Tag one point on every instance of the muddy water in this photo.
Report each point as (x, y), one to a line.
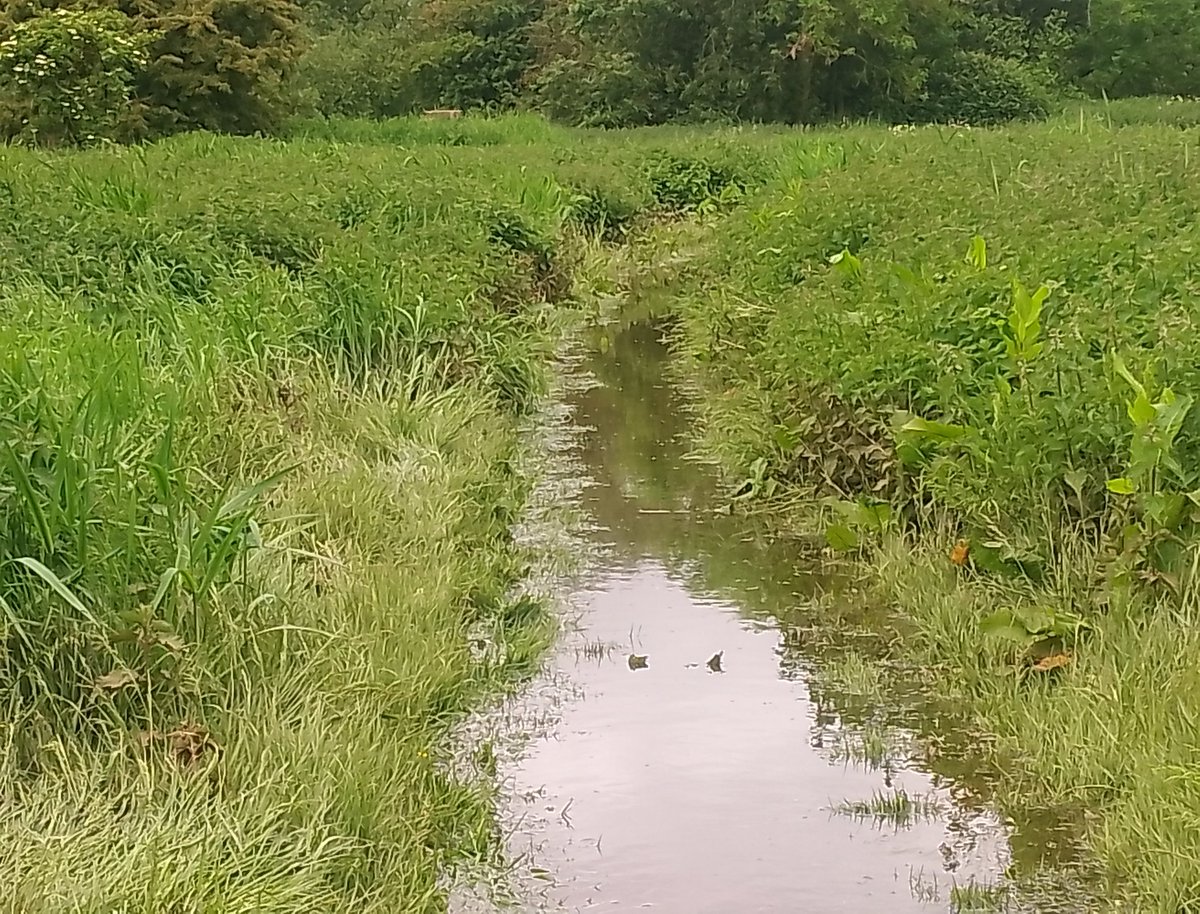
(682, 787)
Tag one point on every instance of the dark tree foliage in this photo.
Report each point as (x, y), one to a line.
(627, 62)
(243, 66)
(221, 65)
(621, 62)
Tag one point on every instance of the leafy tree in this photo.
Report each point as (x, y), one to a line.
(471, 53)
(781, 60)
(621, 62)
(1141, 47)
(66, 75)
(220, 65)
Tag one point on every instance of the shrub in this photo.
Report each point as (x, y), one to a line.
(972, 87)
(66, 75)
(608, 90)
(220, 65)
(600, 212)
(340, 74)
(680, 184)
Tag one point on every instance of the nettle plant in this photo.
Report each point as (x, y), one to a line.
(66, 75)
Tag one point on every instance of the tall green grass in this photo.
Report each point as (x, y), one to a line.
(1015, 466)
(256, 480)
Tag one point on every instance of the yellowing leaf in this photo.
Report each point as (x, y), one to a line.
(1052, 662)
(116, 680)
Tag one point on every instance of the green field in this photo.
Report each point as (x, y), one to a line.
(260, 441)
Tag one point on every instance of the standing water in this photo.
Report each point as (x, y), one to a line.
(699, 761)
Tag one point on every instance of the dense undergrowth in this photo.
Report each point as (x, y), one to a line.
(257, 477)
(968, 356)
(256, 482)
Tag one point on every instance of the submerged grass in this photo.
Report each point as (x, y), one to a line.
(895, 807)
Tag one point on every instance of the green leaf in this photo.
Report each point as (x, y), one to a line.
(1120, 486)
(1170, 413)
(57, 585)
(1077, 480)
(908, 277)
(1165, 509)
(925, 428)
(846, 264)
(977, 253)
(1141, 411)
(164, 583)
(1003, 624)
(252, 493)
(874, 517)
(30, 496)
(841, 538)
(1122, 370)
(1036, 620)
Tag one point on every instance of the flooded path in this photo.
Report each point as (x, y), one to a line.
(662, 783)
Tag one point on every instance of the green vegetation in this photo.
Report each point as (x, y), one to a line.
(976, 898)
(258, 465)
(642, 62)
(256, 482)
(81, 72)
(251, 66)
(966, 356)
(896, 807)
(257, 476)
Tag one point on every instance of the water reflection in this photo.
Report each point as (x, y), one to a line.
(680, 789)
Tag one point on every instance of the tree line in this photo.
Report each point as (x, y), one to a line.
(72, 72)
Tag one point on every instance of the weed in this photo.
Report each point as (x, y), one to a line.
(252, 518)
(895, 807)
(978, 898)
(1028, 478)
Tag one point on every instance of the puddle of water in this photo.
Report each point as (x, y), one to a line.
(670, 786)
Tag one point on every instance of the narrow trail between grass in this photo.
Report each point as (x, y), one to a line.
(766, 782)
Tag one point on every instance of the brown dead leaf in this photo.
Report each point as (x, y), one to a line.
(171, 642)
(960, 552)
(1052, 662)
(116, 680)
(191, 742)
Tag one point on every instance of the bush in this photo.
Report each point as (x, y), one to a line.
(972, 87)
(680, 184)
(340, 74)
(220, 65)
(66, 75)
(610, 90)
(600, 212)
